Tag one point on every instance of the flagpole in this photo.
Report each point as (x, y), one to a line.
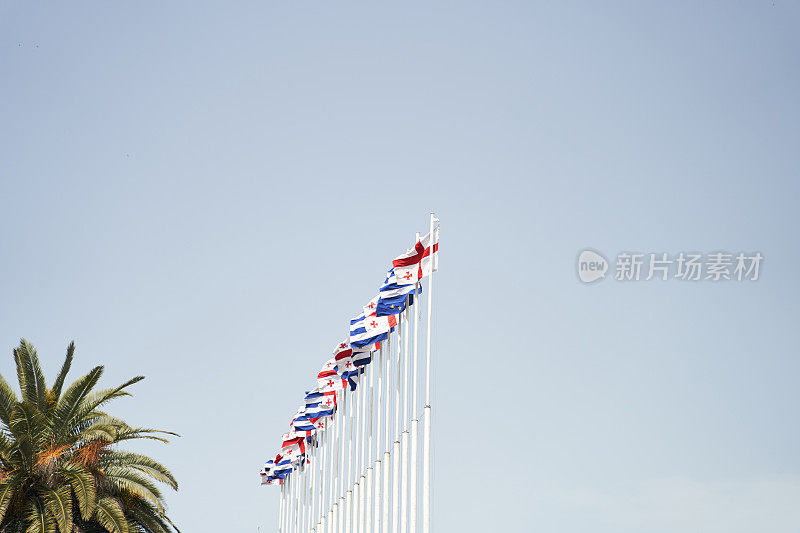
(396, 450)
(414, 421)
(363, 448)
(335, 464)
(404, 437)
(321, 477)
(312, 488)
(280, 510)
(370, 471)
(332, 470)
(426, 450)
(356, 444)
(378, 449)
(386, 442)
(305, 484)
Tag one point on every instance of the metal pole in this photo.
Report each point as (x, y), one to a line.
(396, 451)
(368, 485)
(426, 439)
(280, 510)
(378, 449)
(362, 500)
(404, 437)
(414, 421)
(357, 424)
(386, 441)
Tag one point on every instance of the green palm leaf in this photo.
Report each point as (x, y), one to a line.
(8, 399)
(109, 515)
(32, 383)
(58, 504)
(62, 375)
(83, 484)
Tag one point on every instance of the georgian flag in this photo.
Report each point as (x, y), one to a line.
(327, 379)
(317, 397)
(375, 325)
(371, 307)
(293, 451)
(418, 261)
(359, 337)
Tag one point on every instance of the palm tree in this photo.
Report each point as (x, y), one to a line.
(60, 468)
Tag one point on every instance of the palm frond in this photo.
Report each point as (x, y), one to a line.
(32, 382)
(70, 401)
(142, 463)
(62, 375)
(109, 515)
(8, 489)
(58, 504)
(83, 485)
(8, 399)
(132, 483)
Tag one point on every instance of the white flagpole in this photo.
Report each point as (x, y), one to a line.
(322, 477)
(426, 440)
(396, 450)
(312, 487)
(404, 441)
(335, 465)
(414, 421)
(349, 503)
(368, 481)
(331, 504)
(356, 443)
(378, 449)
(386, 441)
(280, 510)
(304, 485)
(293, 513)
(363, 448)
(342, 450)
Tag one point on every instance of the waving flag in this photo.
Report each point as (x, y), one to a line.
(320, 411)
(361, 357)
(359, 337)
(303, 426)
(327, 379)
(376, 325)
(418, 261)
(371, 307)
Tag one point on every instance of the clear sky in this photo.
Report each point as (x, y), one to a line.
(205, 193)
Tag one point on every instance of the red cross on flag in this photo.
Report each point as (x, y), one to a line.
(327, 379)
(375, 325)
(418, 261)
(371, 307)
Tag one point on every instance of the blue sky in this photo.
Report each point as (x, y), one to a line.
(205, 193)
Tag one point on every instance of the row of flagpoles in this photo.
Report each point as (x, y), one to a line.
(350, 462)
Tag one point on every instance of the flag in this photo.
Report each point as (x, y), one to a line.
(303, 426)
(327, 379)
(361, 358)
(376, 325)
(315, 413)
(393, 297)
(316, 397)
(369, 309)
(359, 337)
(417, 262)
